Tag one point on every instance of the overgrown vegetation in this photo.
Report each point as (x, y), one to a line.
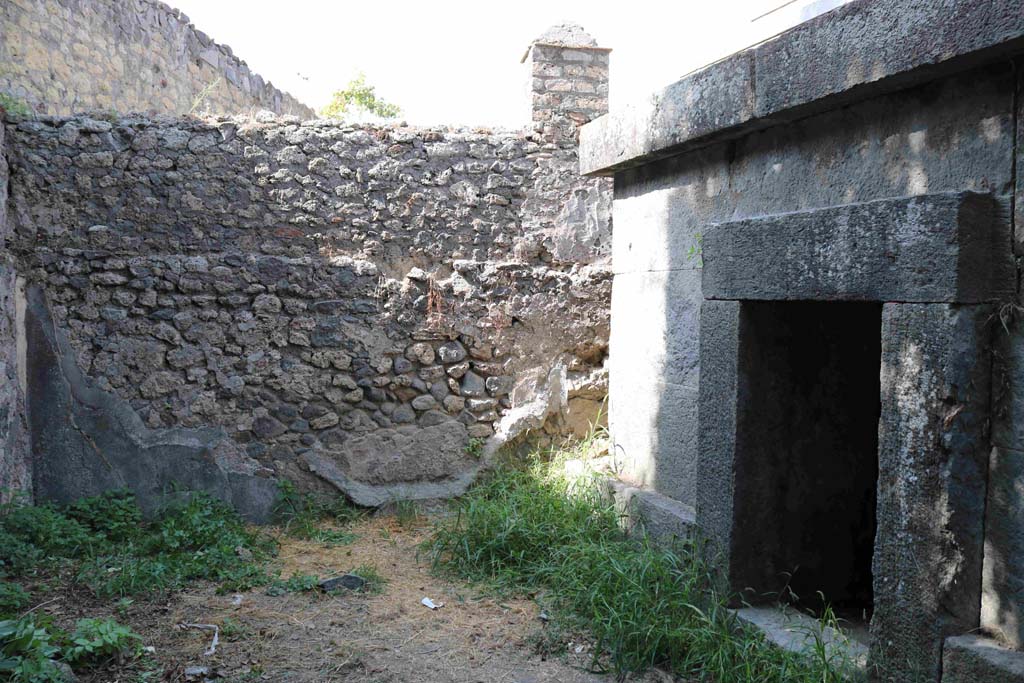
(204, 96)
(357, 101)
(36, 652)
(113, 551)
(105, 544)
(375, 581)
(532, 529)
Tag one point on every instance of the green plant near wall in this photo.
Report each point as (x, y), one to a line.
(14, 106)
(204, 96)
(696, 249)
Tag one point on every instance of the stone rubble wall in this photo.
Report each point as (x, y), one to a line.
(15, 467)
(356, 302)
(64, 56)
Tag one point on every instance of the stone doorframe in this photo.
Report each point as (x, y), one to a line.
(936, 264)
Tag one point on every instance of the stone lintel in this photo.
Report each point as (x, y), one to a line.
(932, 469)
(948, 248)
(861, 50)
(976, 659)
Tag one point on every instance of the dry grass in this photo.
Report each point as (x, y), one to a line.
(308, 637)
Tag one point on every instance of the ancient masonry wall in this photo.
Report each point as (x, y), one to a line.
(64, 56)
(369, 308)
(15, 468)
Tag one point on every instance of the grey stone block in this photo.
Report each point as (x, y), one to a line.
(716, 442)
(976, 659)
(649, 512)
(933, 454)
(331, 469)
(949, 247)
(796, 632)
(654, 426)
(660, 211)
(718, 97)
(657, 329)
(86, 441)
(1018, 189)
(1002, 600)
(872, 46)
(653, 374)
(862, 50)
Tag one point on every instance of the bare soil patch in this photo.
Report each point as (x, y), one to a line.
(307, 637)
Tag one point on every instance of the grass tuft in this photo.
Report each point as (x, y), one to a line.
(533, 530)
(304, 516)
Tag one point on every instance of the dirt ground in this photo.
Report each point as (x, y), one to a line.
(308, 637)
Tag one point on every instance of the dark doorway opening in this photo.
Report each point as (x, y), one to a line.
(806, 464)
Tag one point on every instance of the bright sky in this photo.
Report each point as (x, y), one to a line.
(457, 61)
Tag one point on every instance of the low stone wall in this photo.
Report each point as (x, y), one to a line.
(357, 303)
(63, 56)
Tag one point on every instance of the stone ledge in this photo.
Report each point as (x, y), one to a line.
(659, 516)
(796, 632)
(977, 659)
(861, 50)
(947, 248)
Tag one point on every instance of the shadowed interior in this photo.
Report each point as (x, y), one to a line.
(806, 467)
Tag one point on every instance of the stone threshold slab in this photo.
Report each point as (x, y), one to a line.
(797, 632)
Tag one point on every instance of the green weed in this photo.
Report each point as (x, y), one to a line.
(297, 583)
(96, 640)
(534, 530)
(375, 581)
(407, 513)
(117, 553)
(13, 598)
(475, 447)
(35, 652)
(14, 107)
(26, 653)
(304, 516)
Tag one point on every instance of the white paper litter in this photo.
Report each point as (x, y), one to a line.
(206, 627)
(430, 604)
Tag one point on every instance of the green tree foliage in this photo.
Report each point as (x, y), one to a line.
(359, 100)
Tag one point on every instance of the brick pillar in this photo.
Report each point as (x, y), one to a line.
(567, 75)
